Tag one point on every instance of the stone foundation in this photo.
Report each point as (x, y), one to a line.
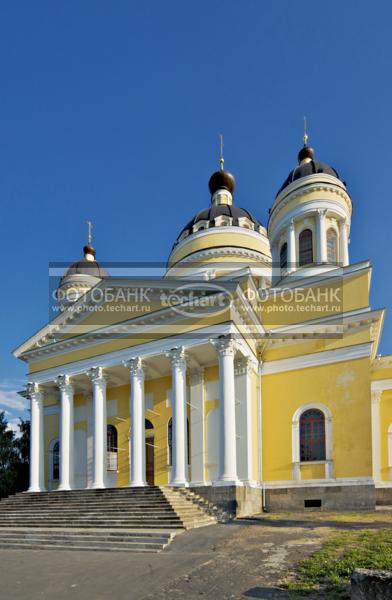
(241, 501)
(384, 496)
(328, 498)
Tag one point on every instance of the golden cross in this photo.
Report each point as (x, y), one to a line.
(89, 228)
(221, 159)
(305, 133)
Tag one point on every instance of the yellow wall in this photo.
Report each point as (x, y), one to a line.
(345, 389)
(385, 422)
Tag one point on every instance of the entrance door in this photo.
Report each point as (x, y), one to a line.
(150, 459)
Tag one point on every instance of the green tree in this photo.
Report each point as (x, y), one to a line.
(14, 457)
(9, 458)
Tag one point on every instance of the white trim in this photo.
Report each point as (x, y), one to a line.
(390, 452)
(381, 385)
(317, 359)
(304, 210)
(338, 481)
(295, 440)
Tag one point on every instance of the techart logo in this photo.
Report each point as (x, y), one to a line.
(194, 300)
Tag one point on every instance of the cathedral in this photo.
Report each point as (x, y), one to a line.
(249, 371)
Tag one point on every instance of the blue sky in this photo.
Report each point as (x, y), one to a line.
(110, 111)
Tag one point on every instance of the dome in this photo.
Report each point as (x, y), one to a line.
(221, 180)
(85, 267)
(210, 214)
(308, 166)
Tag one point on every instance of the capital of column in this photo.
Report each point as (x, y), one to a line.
(244, 365)
(291, 225)
(136, 367)
(322, 212)
(96, 375)
(177, 357)
(224, 344)
(33, 391)
(63, 382)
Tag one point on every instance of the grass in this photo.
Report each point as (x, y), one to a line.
(329, 569)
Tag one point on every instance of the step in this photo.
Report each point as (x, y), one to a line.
(93, 548)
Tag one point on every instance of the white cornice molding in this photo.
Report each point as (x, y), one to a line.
(308, 184)
(144, 351)
(305, 483)
(317, 359)
(379, 385)
(217, 252)
(276, 226)
(234, 229)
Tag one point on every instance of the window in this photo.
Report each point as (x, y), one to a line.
(56, 460)
(332, 246)
(312, 435)
(305, 247)
(283, 256)
(170, 440)
(112, 448)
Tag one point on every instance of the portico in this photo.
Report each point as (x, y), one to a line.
(176, 364)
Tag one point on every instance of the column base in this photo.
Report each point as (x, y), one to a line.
(36, 489)
(98, 486)
(63, 488)
(227, 482)
(179, 484)
(134, 484)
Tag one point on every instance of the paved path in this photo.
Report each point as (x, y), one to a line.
(242, 560)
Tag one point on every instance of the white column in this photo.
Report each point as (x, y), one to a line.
(179, 439)
(137, 462)
(66, 432)
(228, 454)
(99, 427)
(376, 434)
(291, 248)
(36, 438)
(321, 236)
(244, 420)
(343, 244)
(197, 458)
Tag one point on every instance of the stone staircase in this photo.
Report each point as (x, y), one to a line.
(130, 519)
(193, 510)
(111, 519)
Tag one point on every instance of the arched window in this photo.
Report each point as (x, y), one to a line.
(305, 247)
(332, 246)
(112, 448)
(312, 435)
(56, 461)
(170, 440)
(283, 256)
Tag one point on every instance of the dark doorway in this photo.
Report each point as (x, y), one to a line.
(149, 452)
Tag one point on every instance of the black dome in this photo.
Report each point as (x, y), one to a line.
(221, 180)
(309, 168)
(85, 267)
(209, 214)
